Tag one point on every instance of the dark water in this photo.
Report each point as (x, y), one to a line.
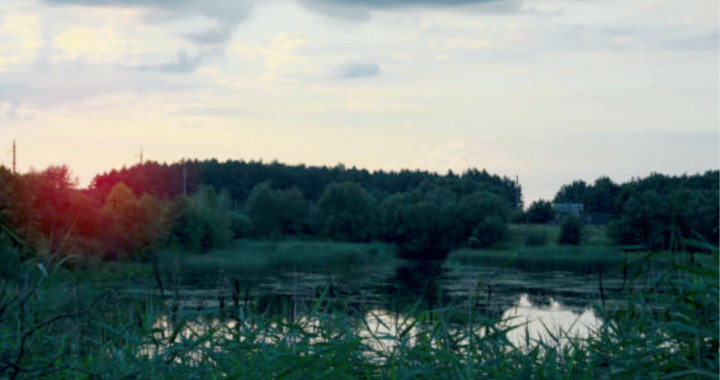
(386, 290)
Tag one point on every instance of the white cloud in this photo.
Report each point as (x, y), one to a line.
(102, 44)
(503, 91)
(20, 37)
(282, 49)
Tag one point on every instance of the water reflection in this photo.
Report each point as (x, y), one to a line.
(382, 331)
(386, 303)
(416, 281)
(393, 285)
(554, 325)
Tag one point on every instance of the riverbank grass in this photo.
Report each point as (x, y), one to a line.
(255, 255)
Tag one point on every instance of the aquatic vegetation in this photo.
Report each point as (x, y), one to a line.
(54, 328)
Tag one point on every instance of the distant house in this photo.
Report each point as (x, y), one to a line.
(564, 210)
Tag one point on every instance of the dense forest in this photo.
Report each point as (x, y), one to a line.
(198, 205)
(656, 212)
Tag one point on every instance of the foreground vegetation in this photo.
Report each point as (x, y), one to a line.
(54, 327)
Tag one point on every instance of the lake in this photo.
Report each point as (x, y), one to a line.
(387, 293)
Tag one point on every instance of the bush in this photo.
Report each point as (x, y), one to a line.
(492, 230)
(276, 212)
(203, 221)
(476, 207)
(517, 216)
(347, 211)
(241, 224)
(536, 238)
(9, 258)
(540, 212)
(424, 223)
(571, 231)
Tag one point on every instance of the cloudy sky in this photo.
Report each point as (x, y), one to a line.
(547, 90)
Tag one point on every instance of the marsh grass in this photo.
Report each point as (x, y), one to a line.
(593, 235)
(53, 327)
(551, 257)
(254, 255)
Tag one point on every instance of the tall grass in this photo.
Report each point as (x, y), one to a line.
(255, 255)
(56, 328)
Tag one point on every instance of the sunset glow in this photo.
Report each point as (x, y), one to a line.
(513, 87)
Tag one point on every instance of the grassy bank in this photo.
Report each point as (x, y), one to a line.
(252, 256)
(596, 253)
(594, 235)
(255, 255)
(240, 256)
(586, 259)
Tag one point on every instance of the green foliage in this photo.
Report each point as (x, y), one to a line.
(120, 200)
(658, 221)
(430, 221)
(7, 195)
(572, 193)
(600, 197)
(536, 238)
(347, 212)
(254, 256)
(655, 212)
(668, 331)
(43, 213)
(276, 212)
(540, 211)
(131, 213)
(424, 222)
(571, 231)
(133, 227)
(165, 181)
(644, 220)
(476, 207)
(241, 225)
(490, 231)
(205, 221)
(10, 255)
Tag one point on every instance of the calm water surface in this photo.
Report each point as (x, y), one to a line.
(545, 303)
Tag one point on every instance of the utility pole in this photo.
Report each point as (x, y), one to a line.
(141, 156)
(14, 156)
(517, 188)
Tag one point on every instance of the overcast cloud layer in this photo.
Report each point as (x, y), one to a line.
(548, 90)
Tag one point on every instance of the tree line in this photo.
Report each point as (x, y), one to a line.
(200, 205)
(658, 212)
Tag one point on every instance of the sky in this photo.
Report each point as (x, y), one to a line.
(546, 90)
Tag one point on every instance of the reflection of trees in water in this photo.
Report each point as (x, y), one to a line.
(397, 287)
(417, 281)
(427, 284)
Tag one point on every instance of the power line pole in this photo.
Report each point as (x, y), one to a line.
(141, 156)
(14, 155)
